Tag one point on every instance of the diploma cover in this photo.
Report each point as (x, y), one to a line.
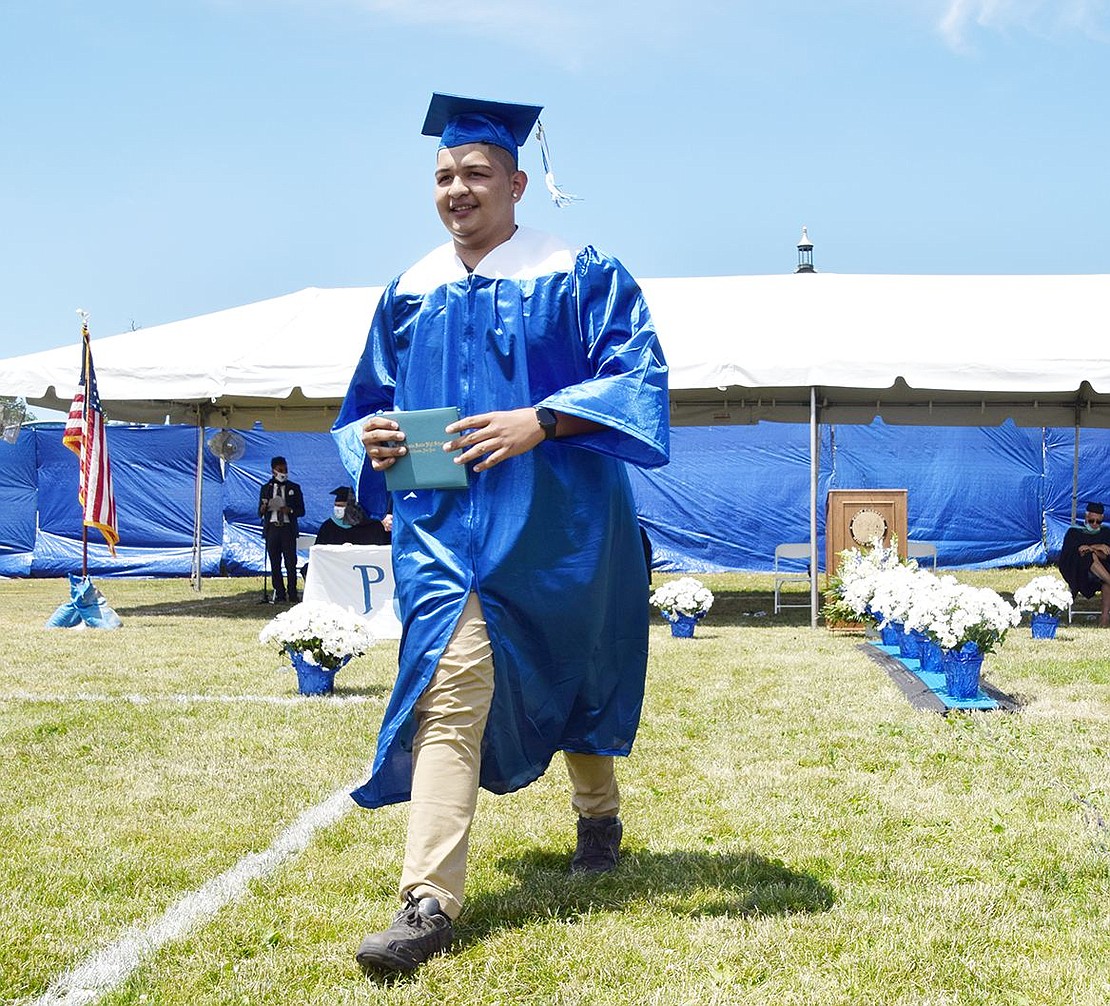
(426, 465)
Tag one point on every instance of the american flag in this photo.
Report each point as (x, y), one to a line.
(85, 436)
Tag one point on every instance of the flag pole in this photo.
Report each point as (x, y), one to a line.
(84, 316)
(86, 436)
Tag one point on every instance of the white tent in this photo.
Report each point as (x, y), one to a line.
(285, 362)
(933, 350)
(930, 350)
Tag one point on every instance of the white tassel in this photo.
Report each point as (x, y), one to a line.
(558, 196)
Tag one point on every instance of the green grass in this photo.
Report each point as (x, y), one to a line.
(795, 833)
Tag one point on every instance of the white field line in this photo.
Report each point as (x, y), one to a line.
(180, 699)
(110, 967)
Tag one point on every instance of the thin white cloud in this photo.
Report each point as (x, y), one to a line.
(960, 19)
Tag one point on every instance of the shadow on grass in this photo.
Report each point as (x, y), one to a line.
(366, 691)
(747, 609)
(244, 605)
(690, 884)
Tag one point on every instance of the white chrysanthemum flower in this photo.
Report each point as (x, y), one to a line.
(685, 596)
(325, 633)
(1044, 594)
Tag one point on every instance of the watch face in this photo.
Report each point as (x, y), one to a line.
(867, 526)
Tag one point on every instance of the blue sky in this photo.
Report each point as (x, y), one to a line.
(162, 160)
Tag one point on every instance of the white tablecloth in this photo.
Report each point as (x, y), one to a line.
(359, 577)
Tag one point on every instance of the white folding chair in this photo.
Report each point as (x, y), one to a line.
(922, 550)
(787, 570)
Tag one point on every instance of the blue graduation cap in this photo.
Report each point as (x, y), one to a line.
(458, 120)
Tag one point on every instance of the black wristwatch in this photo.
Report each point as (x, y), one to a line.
(547, 420)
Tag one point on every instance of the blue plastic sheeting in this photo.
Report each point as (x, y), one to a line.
(153, 472)
(313, 463)
(729, 495)
(18, 502)
(988, 496)
(1094, 478)
(978, 491)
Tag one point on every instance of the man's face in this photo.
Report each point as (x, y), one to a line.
(279, 470)
(1094, 520)
(476, 191)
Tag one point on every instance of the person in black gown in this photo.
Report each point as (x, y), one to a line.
(349, 524)
(1085, 559)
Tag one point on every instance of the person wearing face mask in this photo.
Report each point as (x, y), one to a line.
(280, 503)
(349, 524)
(1085, 559)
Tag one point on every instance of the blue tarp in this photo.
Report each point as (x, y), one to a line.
(987, 496)
(153, 474)
(18, 503)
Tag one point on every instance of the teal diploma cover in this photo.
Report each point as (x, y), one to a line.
(426, 465)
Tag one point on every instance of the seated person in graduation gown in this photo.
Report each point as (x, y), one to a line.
(349, 524)
(1085, 559)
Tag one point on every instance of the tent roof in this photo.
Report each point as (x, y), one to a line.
(932, 350)
(936, 350)
(285, 362)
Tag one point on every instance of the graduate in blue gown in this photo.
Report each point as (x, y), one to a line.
(549, 353)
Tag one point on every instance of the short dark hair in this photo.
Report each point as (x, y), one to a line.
(279, 460)
(507, 161)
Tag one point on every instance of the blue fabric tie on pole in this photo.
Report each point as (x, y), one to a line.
(86, 605)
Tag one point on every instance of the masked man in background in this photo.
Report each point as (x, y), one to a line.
(280, 503)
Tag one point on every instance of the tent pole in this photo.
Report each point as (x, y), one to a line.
(814, 464)
(198, 482)
(1075, 472)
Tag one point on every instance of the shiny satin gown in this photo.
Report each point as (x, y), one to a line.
(549, 539)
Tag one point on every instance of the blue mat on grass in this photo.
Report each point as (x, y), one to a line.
(933, 682)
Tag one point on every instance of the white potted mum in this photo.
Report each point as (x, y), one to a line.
(319, 638)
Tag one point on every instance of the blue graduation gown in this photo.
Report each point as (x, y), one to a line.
(549, 539)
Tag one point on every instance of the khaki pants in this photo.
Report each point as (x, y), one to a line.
(446, 756)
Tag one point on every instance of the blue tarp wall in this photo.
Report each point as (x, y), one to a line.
(991, 496)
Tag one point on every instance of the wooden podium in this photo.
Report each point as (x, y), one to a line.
(855, 517)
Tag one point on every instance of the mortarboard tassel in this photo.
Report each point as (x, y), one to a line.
(558, 196)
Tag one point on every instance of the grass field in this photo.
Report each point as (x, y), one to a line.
(795, 833)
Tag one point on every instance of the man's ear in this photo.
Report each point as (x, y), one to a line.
(519, 183)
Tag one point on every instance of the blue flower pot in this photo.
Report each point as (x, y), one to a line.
(682, 626)
(312, 679)
(1043, 625)
(961, 671)
(932, 657)
(889, 634)
(898, 630)
(909, 646)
